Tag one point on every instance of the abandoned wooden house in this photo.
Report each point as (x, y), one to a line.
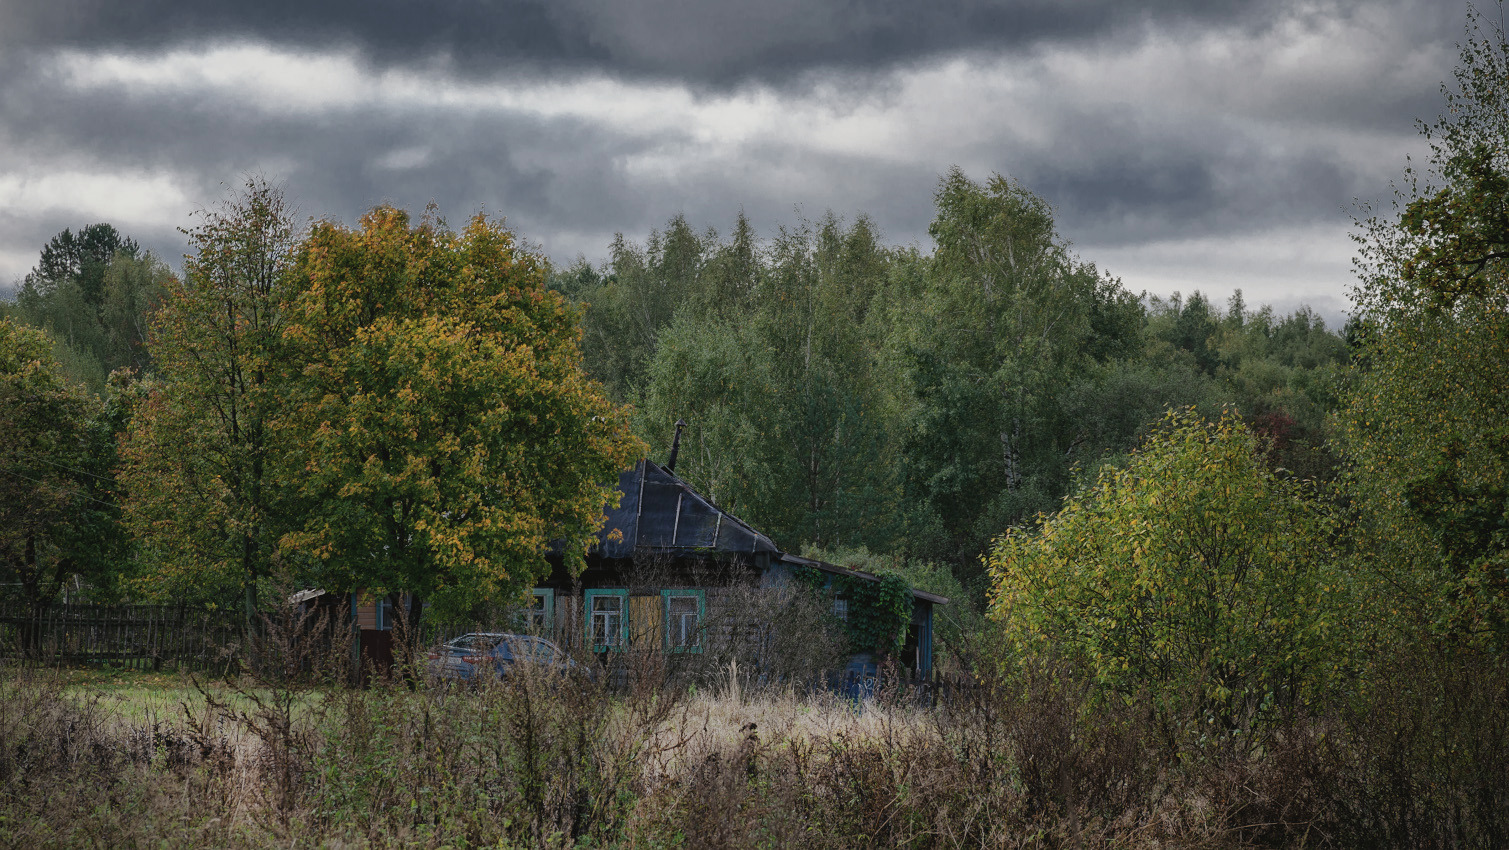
(671, 570)
(668, 563)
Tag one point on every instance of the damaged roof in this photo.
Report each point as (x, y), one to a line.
(835, 569)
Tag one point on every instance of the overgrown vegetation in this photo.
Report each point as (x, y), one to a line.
(1029, 759)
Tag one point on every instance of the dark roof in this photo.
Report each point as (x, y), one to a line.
(660, 511)
(835, 569)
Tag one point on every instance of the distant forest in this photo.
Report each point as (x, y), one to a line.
(842, 393)
(845, 395)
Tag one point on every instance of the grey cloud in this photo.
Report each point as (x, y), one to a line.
(683, 39)
(1134, 173)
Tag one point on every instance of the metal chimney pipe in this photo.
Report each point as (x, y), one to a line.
(670, 464)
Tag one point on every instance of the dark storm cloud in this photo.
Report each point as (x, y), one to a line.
(548, 173)
(1195, 182)
(682, 39)
(1255, 140)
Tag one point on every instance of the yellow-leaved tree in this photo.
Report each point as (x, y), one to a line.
(441, 431)
(1195, 573)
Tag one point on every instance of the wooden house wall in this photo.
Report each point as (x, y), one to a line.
(728, 621)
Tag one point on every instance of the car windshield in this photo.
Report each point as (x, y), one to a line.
(527, 648)
(473, 643)
(545, 652)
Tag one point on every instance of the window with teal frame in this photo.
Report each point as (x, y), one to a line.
(539, 617)
(685, 609)
(607, 619)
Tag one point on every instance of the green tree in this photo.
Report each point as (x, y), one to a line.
(198, 455)
(712, 375)
(1007, 321)
(94, 292)
(1194, 570)
(782, 387)
(1424, 429)
(80, 259)
(440, 430)
(58, 517)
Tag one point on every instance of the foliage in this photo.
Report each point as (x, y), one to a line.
(1424, 425)
(94, 291)
(957, 626)
(842, 393)
(879, 611)
(57, 510)
(198, 445)
(1005, 323)
(784, 393)
(440, 431)
(1193, 571)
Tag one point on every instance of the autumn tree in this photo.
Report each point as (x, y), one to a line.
(1424, 427)
(440, 432)
(58, 517)
(1193, 571)
(198, 456)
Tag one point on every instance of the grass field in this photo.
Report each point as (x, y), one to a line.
(118, 759)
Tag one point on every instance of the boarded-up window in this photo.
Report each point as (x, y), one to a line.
(645, 615)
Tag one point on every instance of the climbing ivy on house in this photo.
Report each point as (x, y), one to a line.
(879, 611)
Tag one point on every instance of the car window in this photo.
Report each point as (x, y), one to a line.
(473, 643)
(544, 652)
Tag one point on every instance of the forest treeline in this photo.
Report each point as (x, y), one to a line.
(843, 393)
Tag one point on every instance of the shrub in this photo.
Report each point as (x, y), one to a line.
(1196, 572)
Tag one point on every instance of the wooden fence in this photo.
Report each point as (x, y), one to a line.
(145, 637)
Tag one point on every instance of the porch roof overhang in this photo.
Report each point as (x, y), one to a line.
(796, 560)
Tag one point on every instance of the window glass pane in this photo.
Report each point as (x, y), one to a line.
(537, 615)
(607, 620)
(841, 609)
(682, 614)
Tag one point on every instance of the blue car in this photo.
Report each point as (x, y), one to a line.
(480, 654)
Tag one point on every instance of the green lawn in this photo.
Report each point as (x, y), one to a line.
(135, 697)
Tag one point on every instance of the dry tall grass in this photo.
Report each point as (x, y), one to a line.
(552, 759)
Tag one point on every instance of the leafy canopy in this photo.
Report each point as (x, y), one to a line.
(1194, 570)
(57, 512)
(198, 444)
(441, 431)
(1424, 428)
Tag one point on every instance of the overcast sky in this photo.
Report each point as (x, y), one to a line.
(1185, 144)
